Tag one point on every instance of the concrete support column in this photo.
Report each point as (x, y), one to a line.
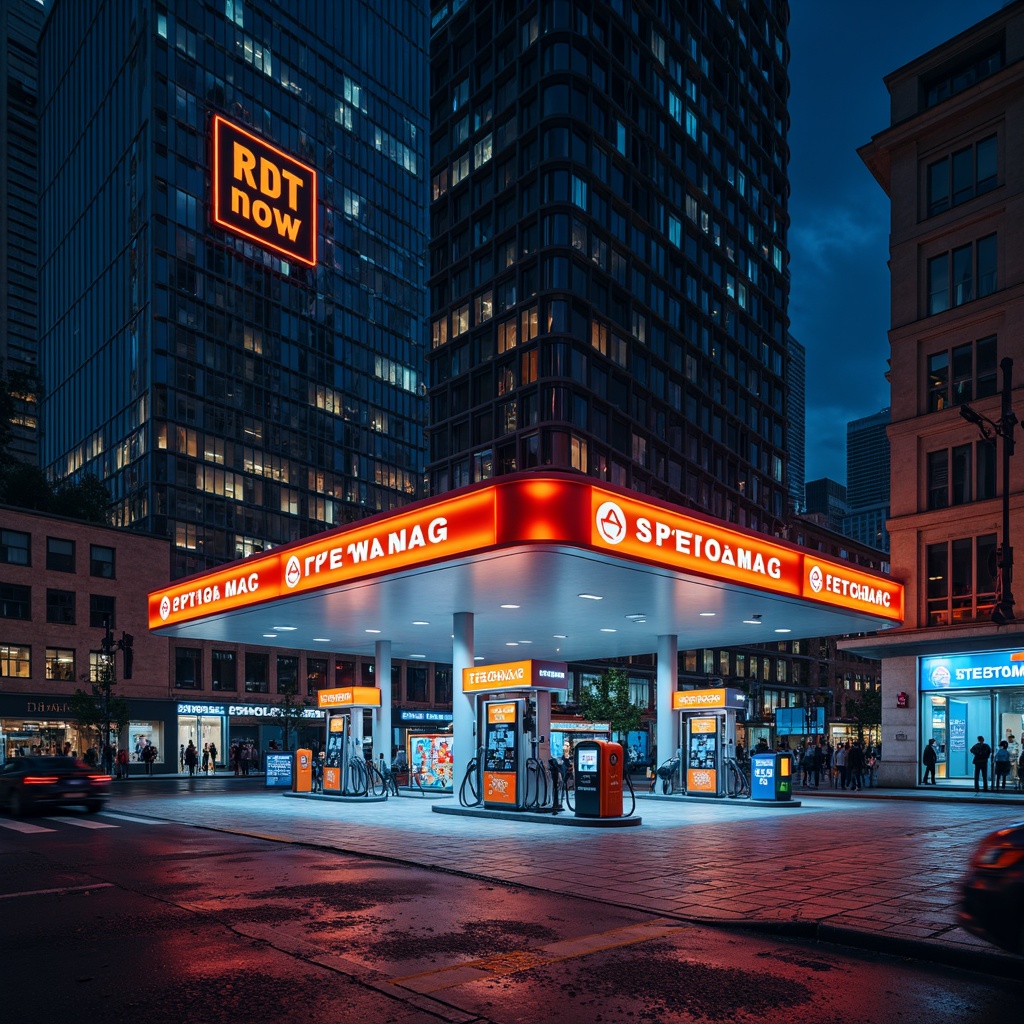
(667, 720)
(464, 739)
(382, 741)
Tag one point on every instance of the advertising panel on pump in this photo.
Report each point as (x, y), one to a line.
(262, 193)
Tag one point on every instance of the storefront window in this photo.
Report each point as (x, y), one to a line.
(139, 733)
(964, 696)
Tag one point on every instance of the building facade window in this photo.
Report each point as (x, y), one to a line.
(60, 554)
(961, 579)
(60, 664)
(287, 674)
(442, 684)
(959, 177)
(188, 668)
(257, 679)
(960, 276)
(15, 547)
(224, 671)
(962, 374)
(15, 661)
(416, 683)
(101, 611)
(961, 474)
(15, 601)
(101, 561)
(60, 607)
(316, 675)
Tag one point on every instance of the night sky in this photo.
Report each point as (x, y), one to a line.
(839, 304)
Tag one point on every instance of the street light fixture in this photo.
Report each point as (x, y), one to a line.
(1002, 613)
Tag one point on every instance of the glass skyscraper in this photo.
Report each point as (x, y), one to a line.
(608, 271)
(20, 22)
(231, 396)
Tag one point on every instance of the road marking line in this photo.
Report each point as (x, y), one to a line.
(83, 823)
(523, 960)
(57, 892)
(23, 826)
(140, 821)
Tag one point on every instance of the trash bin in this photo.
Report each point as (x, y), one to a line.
(771, 776)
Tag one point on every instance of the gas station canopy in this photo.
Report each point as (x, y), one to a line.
(550, 566)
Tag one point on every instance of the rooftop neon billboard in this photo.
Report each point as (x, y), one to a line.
(262, 193)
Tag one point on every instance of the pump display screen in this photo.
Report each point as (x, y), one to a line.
(586, 760)
(500, 737)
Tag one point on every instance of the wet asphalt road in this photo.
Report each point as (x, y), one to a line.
(120, 917)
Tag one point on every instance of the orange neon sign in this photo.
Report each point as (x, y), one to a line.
(262, 193)
(444, 529)
(514, 675)
(531, 510)
(221, 590)
(349, 697)
(638, 529)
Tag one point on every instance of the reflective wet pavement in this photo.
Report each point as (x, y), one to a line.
(878, 869)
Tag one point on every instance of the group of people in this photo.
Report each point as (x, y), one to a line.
(850, 765)
(243, 758)
(1007, 763)
(190, 758)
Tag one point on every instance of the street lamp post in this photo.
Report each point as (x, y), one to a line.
(109, 645)
(1002, 613)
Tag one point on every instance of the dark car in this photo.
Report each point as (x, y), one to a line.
(27, 783)
(992, 892)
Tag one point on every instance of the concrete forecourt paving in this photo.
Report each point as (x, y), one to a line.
(879, 869)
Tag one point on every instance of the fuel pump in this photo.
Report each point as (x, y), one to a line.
(513, 721)
(337, 726)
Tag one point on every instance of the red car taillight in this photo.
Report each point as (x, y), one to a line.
(996, 853)
(40, 780)
(95, 780)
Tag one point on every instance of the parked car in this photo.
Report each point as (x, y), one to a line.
(992, 892)
(27, 783)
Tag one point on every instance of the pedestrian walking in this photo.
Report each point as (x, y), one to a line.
(149, 753)
(982, 752)
(191, 756)
(855, 764)
(1014, 747)
(206, 758)
(213, 758)
(1001, 765)
(842, 752)
(243, 756)
(122, 763)
(929, 758)
(181, 756)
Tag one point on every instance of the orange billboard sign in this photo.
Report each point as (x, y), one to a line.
(349, 697)
(262, 193)
(514, 675)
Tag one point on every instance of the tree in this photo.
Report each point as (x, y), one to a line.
(608, 699)
(98, 708)
(866, 712)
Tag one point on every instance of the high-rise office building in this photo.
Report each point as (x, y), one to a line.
(867, 480)
(232, 280)
(608, 247)
(948, 162)
(20, 23)
(796, 415)
(826, 503)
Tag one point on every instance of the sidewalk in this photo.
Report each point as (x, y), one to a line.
(877, 869)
